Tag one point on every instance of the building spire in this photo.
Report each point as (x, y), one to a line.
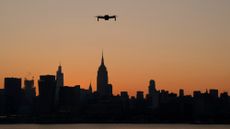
(102, 59)
(59, 68)
(90, 88)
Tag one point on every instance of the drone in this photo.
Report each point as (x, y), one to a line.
(106, 17)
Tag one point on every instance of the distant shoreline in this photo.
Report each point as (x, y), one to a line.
(115, 122)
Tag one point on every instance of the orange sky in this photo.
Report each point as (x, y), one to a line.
(180, 44)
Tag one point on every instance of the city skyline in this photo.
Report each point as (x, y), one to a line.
(180, 44)
(58, 103)
(102, 82)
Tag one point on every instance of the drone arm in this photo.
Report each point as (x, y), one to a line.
(115, 18)
(99, 17)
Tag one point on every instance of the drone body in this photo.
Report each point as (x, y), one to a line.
(107, 17)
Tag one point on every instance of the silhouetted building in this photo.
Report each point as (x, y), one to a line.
(29, 88)
(124, 95)
(90, 88)
(181, 93)
(109, 90)
(164, 96)
(84, 95)
(213, 93)
(103, 88)
(140, 95)
(152, 87)
(60, 83)
(196, 94)
(153, 95)
(47, 88)
(198, 104)
(69, 98)
(2, 102)
(29, 95)
(224, 96)
(13, 94)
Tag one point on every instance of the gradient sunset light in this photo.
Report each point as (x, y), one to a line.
(179, 44)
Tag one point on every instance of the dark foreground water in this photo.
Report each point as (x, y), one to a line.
(113, 126)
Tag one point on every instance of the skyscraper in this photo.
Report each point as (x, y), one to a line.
(28, 96)
(60, 77)
(13, 93)
(152, 87)
(47, 87)
(103, 88)
(153, 95)
(60, 83)
(29, 88)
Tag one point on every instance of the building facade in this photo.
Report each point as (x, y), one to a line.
(103, 87)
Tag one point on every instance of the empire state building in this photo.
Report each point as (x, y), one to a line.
(103, 87)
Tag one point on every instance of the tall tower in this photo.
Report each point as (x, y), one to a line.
(103, 88)
(90, 88)
(60, 83)
(153, 95)
(60, 77)
(152, 87)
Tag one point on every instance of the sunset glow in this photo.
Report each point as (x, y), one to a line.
(181, 45)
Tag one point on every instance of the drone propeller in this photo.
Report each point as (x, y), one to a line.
(97, 17)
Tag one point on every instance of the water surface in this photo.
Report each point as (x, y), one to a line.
(112, 126)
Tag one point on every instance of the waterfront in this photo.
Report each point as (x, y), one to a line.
(112, 126)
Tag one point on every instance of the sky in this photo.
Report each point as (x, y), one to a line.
(181, 44)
